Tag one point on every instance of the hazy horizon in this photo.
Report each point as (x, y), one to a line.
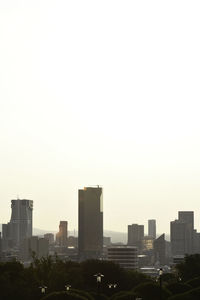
(100, 93)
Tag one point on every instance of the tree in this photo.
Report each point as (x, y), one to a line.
(151, 291)
(63, 296)
(178, 288)
(189, 268)
(190, 295)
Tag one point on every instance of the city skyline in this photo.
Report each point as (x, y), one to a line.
(100, 93)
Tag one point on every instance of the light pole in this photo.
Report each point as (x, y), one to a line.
(98, 278)
(67, 286)
(160, 273)
(43, 289)
(112, 285)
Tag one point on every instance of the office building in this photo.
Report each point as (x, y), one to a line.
(152, 228)
(49, 237)
(136, 236)
(61, 236)
(90, 222)
(182, 233)
(20, 225)
(125, 256)
(34, 246)
(159, 247)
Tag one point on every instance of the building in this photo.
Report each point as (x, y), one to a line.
(90, 222)
(49, 237)
(125, 256)
(152, 228)
(34, 246)
(159, 246)
(20, 225)
(182, 234)
(73, 241)
(106, 241)
(136, 236)
(61, 236)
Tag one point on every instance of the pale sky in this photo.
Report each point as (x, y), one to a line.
(100, 92)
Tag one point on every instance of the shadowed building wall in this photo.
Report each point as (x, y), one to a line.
(90, 227)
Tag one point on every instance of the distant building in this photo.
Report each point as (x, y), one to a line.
(182, 234)
(106, 241)
(61, 236)
(159, 246)
(49, 237)
(152, 228)
(148, 243)
(90, 223)
(136, 236)
(125, 256)
(20, 225)
(73, 241)
(34, 246)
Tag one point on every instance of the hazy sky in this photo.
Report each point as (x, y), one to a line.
(100, 92)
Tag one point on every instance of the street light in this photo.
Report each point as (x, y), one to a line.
(98, 278)
(160, 273)
(67, 286)
(112, 285)
(43, 289)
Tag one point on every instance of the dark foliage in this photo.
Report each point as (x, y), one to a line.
(191, 295)
(178, 288)
(151, 291)
(189, 268)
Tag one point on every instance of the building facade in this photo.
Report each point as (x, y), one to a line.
(90, 222)
(159, 247)
(152, 228)
(20, 225)
(125, 256)
(182, 234)
(136, 236)
(62, 235)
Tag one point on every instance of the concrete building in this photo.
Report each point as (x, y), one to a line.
(136, 236)
(61, 236)
(125, 256)
(152, 228)
(20, 225)
(159, 246)
(34, 246)
(90, 223)
(182, 234)
(49, 237)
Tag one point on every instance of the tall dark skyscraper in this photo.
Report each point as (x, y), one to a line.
(62, 235)
(152, 228)
(90, 222)
(20, 225)
(182, 232)
(136, 236)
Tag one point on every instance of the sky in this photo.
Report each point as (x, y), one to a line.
(100, 93)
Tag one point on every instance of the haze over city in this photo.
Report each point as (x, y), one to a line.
(100, 93)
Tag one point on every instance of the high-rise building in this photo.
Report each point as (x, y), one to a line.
(34, 246)
(61, 236)
(49, 237)
(159, 246)
(20, 225)
(125, 256)
(182, 233)
(136, 236)
(152, 228)
(90, 222)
